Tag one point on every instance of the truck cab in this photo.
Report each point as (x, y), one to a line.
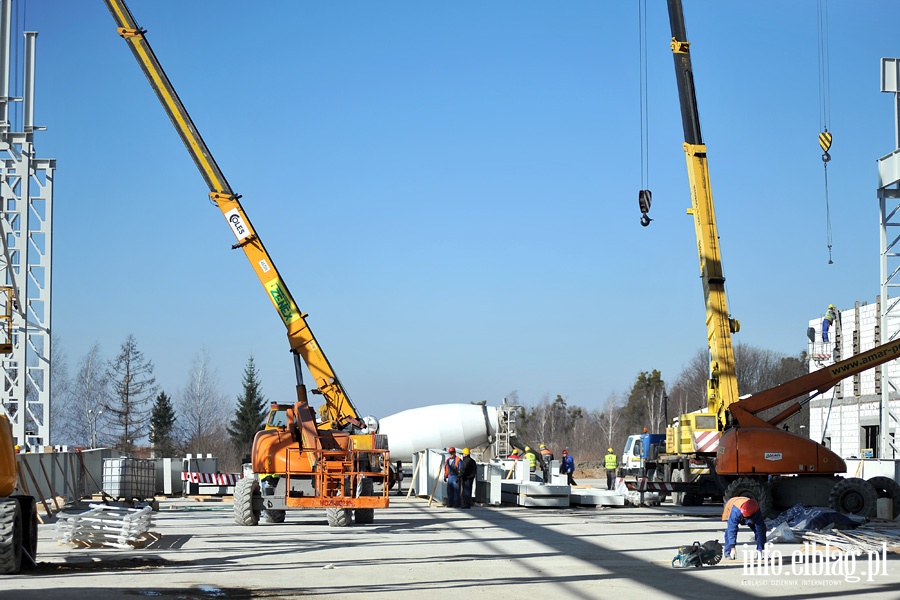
(638, 449)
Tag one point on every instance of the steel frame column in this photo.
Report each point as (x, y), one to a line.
(889, 218)
(26, 200)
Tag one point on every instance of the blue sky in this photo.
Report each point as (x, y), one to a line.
(450, 189)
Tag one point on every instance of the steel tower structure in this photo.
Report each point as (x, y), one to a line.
(26, 194)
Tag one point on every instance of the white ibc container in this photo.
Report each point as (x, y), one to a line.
(129, 478)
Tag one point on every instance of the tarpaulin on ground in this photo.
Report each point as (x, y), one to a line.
(814, 518)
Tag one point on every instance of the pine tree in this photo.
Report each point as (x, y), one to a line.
(251, 410)
(162, 427)
(132, 388)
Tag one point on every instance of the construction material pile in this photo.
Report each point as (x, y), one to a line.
(104, 525)
(819, 525)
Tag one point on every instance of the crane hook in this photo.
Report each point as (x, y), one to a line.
(645, 197)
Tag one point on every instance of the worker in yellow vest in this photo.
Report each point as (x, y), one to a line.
(531, 458)
(609, 463)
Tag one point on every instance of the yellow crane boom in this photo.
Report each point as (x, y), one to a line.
(338, 411)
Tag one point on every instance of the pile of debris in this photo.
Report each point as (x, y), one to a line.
(105, 525)
(849, 533)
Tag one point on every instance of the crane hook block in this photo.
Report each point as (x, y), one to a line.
(825, 143)
(645, 197)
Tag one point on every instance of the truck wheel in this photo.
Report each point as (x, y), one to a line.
(28, 509)
(885, 487)
(273, 516)
(854, 496)
(365, 487)
(658, 476)
(244, 491)
(678, 477)
(751, 488)
(338, 517)
(11, 531)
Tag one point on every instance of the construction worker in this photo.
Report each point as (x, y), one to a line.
(827, 322)
(567, 467)
(531, 458)
(738, 511)
(546, 459)
(451, 477)
(467, 474)
(610, 462)
(514, 455)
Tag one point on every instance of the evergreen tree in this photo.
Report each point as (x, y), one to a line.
(132, 388)
(251, 411)
(162, 427)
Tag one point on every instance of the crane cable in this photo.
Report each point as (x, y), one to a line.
(645, 196)
(825, 136)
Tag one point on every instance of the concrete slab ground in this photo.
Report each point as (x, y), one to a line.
(418, 551)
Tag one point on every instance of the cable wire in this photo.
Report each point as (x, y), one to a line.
(825, 137)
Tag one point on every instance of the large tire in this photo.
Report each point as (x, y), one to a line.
(365, 516)
(885, 487)
(678, 477)
(273, 516)
(244, 491)
(338, 517)
(752, 488)
(28, 508)
(658, 476)
(11, 534)
(854, 496)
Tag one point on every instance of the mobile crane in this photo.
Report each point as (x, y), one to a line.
(732, 450)
(298, 460)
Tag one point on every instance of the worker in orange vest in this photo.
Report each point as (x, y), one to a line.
(741, 510)
(451, 477)
(546, 459)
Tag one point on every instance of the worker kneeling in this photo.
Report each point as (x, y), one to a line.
(738, 511)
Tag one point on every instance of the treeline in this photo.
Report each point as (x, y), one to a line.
(116, 403)
(652, 402)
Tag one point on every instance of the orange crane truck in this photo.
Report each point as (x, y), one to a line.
(334, 459)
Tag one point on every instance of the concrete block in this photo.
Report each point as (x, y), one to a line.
(595, 497)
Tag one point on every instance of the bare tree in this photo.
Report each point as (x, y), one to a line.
(88, 394)
(61, 430)
(202, 408)
(656, 406)
(610, 417)
(689, 390)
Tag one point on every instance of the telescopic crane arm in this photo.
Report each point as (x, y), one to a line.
(338, 411)
(722, 385)
(745, 412)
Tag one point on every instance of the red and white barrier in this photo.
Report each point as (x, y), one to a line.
(211, 478)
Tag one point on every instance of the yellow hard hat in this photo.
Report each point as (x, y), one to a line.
(543, 446)
(527, 448)
(831, 306)
(609, 449)
(465, 451)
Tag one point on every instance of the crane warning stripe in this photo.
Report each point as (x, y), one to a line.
(211, 478)
(706, 441)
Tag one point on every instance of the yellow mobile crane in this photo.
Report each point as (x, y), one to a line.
(730, 450)
(302, 462)
(690, 445)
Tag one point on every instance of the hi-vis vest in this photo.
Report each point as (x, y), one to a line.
(610, 462)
